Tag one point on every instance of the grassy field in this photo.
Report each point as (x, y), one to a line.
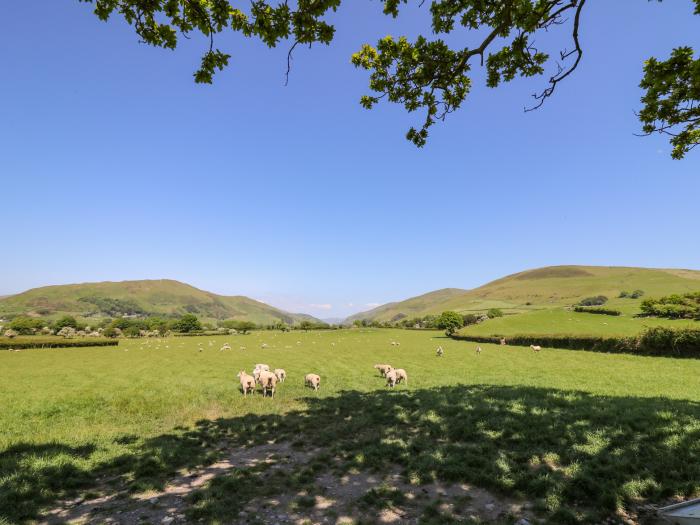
(561, 321)
(579, 435)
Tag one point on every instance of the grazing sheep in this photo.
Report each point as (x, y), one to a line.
(478, 350)
(226, 346)
(401, 375)
(439, 351)
(264, 345)
(536, 348)
(247, 382)
(268, 382)
(391, 378)
(383, 369)
(281, 374)
(312, 380)
(503, 341)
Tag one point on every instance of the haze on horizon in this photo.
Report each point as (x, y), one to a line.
(116, 166)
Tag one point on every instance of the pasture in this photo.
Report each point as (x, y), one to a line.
(558, 436)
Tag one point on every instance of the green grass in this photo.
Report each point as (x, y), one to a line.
(561, 321)
(580, 434)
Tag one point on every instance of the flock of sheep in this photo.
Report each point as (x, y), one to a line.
(393, 375)
(268, 380)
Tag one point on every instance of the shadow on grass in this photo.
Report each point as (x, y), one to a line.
(578, 457)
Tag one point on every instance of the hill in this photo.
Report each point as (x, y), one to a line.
(147, 297)
(543, 288)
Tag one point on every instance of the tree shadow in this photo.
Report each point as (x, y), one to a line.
(578, 457)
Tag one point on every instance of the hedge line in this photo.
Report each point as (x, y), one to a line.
(657, 341)
(18, 343)
(593, 310)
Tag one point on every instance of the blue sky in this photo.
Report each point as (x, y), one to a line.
(114, 165)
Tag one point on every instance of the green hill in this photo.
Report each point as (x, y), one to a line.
(544, 288)
(148, 297)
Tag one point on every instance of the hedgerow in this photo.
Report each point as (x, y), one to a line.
(656, 341)
(594, 310)
(18, 343)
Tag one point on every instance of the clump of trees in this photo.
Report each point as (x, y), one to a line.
(494, 312)
(675, 306)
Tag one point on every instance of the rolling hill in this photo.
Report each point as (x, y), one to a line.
(147, 297)
(544, 288)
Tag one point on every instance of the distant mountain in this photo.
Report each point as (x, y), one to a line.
(148, 297)
(543, 288)
(334, 320)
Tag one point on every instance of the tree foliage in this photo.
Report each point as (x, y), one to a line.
(427, 73)
(449, 321)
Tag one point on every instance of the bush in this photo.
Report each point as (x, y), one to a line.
(470, 319)
(26, 325)
(593, 301)
(631, 295)
(594, 310)
(494, 312)
(686, 306)
(65, 321)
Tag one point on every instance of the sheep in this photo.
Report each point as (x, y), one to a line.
(439, 351)
(226, 346)
(268, 382)
(503, 341)
(478, 350)
(264, 345)
(281, 374)
(395, 343)
(401, 375)
(391, 378)
(536, 348)
(247, 382)
(312, 380)
(259, 368)
(383, 369)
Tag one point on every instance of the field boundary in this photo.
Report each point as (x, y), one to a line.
(658, 341)
(22, 343)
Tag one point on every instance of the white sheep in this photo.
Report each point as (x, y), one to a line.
(247, 382)
(226, 346)
(383, 369)
(439, 351)
(478, 350)
(536, 348)
(281, 374)
(264, 345)
(503, 341)
(259, 368)
(312, 380)
(268, 382)
(391, 378)
(401, 375)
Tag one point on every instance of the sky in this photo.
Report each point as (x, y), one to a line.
(115, 165)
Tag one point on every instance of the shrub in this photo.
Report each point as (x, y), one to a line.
(494, 312)
(470, 319)
(594, 310)
(686, 306)
(26, 325)
(593, 301)
(65, 321)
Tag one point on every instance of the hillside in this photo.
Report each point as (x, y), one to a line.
(148, 297)
(543, 288)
